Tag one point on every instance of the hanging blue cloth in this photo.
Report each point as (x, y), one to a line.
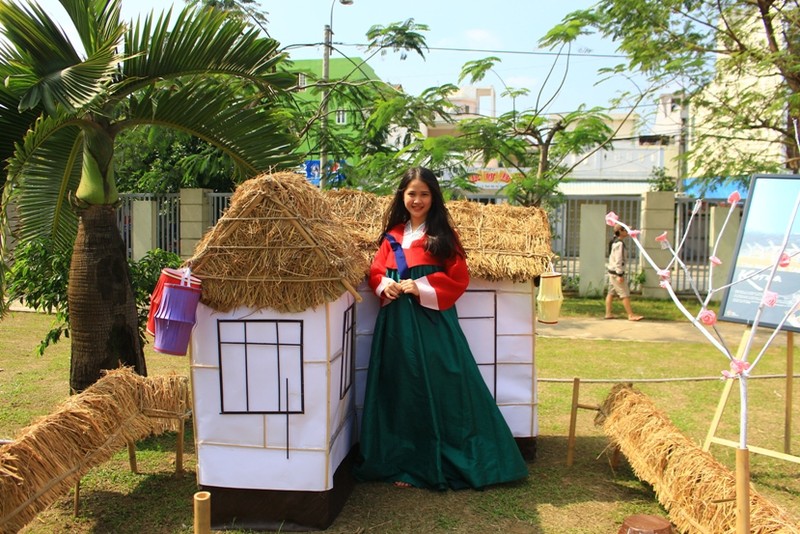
(399, 256)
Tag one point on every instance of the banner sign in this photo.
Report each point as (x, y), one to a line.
(492, 178)
(767, 215)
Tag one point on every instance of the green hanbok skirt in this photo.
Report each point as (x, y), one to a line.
(429, 419)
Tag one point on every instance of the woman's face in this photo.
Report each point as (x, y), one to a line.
(417, 200)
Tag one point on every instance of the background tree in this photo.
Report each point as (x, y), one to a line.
(185, 74)
(382, 119)
(154, 159)
(532, 145)
(736, 61)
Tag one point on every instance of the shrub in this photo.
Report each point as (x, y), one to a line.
(39, 278)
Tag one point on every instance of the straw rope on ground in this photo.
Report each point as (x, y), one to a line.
(51, 455)
(697, 490)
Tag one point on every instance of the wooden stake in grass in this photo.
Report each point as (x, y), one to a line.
(202, 512)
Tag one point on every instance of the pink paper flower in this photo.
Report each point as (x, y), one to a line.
(634, 233)
(784, 260)
(612, 218)
(715, 260)
(663, 274)
(664, 283)
(770, 299)
(734, 197)
(707, 317)
(662, 238)
(738, 368)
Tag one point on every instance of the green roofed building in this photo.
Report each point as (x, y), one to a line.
(345, 117)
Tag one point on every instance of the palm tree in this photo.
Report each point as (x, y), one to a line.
(206, 74)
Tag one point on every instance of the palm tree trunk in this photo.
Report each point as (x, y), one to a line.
(102, 307)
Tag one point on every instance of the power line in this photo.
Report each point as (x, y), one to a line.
(518, 52)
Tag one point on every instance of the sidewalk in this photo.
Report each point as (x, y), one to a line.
(645, 330)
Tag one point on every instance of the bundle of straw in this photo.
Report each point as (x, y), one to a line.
(50, 456)
(278, 246)
(697, 490)
(502, 242)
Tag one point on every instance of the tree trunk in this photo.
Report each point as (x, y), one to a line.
(102, 307)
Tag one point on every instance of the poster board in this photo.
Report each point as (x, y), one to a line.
(770, 204)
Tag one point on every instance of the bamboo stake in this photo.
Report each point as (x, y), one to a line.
(132, 457)
(742, 491)
(76, 499)
(787, 418)
(179, 447)
(202, 512)
(573, 419)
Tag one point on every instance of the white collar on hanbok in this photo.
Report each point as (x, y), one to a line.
(410, 236)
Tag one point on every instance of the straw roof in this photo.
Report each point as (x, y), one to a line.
(277, 246)
(502, 242)
(48, 457)
(697, 490)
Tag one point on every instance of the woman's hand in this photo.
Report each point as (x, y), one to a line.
(409, 286)
(392, 291)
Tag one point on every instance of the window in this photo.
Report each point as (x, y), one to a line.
(302, 81)
(261, 366)
(341, 116)
(348, 369)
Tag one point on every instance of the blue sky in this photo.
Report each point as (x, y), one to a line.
(488, 28)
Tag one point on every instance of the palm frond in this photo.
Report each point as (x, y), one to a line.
(252, 134)
(202, 41)
(43, 173)
(54, 72)
(13, 124)
(97, 22)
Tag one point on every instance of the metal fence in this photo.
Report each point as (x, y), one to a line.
(694, 253)
(168, 227)
(218, 203)
(566, 227)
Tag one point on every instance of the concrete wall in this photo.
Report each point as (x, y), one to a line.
(195, 219)
(145, 226)
(722, 241)
(592, 250)
(658, 216)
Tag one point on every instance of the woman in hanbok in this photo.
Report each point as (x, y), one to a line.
(429, 419)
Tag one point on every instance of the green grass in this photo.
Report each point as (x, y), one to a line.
(588, 498)
(653, 309)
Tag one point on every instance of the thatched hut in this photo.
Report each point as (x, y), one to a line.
(507, 248)
(272, 357)
(281, 345)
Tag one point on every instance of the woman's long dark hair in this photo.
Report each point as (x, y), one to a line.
(442, 241)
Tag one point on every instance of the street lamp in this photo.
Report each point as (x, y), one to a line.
(326, 60)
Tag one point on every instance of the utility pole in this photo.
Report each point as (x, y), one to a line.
(323, 125)
(326, 74)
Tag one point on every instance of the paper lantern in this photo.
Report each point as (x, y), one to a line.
(548, 302)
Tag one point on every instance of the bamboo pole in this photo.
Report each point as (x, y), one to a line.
(742, 491)
(202, 512)
(573, 419)
(179, 446)
(76, 499)
(132, 457)
(787, 418)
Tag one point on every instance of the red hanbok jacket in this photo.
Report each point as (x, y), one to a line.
(438, 291)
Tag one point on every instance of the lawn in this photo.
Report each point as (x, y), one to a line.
(589, 497)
